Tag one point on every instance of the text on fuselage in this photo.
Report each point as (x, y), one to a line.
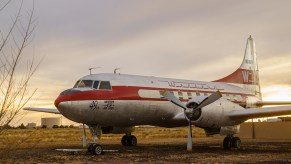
(190, 85)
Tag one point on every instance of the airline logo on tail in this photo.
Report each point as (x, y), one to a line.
(248, 77)
(241, 76)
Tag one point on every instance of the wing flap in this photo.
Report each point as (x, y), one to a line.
(45, 110)
(260, 112)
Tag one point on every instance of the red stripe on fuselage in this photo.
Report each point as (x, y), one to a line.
(125, 93)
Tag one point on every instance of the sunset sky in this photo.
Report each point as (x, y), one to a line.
(187, 39)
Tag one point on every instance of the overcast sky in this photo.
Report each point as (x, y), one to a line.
(187, 39)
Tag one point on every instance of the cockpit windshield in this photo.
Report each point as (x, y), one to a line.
(77, 83)
(84, 84)
(100, 85)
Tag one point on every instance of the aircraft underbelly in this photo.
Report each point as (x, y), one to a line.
(121, 112)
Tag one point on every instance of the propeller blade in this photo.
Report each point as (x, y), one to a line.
(210, 99)
(171, 97)
(189, 142)
(84, 136)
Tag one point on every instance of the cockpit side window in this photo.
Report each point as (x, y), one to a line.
(76, 85)
(96, 84)
(105, 85)
(85, 84)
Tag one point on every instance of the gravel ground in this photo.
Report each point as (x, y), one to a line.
(155, 145)
(205, 150)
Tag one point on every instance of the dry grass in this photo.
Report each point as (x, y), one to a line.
(25, 138)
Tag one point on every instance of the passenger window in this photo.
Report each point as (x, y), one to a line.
(180, 94)
(162, 94)
(95, 85)
(234, 98)
(238, 98)
(227, 96)
(85, 84)
(197, 94)
(231, 97)
(105, 85)
(189, 94)
(76, 85)
(205, 94)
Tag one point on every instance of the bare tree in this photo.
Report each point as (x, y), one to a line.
(16, 70)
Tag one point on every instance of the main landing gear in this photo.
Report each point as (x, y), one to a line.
(231, 142)
(129, 140)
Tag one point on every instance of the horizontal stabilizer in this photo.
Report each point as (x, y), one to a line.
(260, 112)
(45, 110)
(263, 103)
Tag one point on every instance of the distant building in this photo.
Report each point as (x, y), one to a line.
(266, 130)
(51, 121)
(274, 120)
(284, 119)
(31, 125)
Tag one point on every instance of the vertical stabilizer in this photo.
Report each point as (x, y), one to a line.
(247, 75)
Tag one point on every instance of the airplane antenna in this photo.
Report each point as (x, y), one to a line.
(93, 68)
(116, 70)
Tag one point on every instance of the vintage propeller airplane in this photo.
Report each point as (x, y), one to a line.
(115, 103)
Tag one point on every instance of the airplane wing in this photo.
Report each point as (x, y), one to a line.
(45, 110)
(259, 112)
(263, 103)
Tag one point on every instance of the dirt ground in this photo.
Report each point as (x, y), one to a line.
(155, 145)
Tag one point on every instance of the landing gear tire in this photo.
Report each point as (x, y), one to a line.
(227, 143)
(231, 142)
(129, 140)
(124, 140)
(132, 141)
(236, 142)
(95, 149)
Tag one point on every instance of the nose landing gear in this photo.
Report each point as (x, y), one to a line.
(94, 148)
(97, 149)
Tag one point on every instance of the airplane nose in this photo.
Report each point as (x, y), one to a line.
(65, 96)
(60, 99)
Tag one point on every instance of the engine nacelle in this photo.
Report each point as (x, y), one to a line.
(229, 130)
(214, 115)
(251, 102)
(193, 113)
(192, 103)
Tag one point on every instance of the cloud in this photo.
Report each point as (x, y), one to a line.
(198, 40)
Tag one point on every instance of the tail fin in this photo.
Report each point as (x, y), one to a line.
(247, 75)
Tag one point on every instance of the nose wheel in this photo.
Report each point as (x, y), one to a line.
(129, 140)
(95, 149)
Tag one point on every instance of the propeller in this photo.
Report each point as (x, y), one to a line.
(210, 99)
(191, 109)
(84, 136)
(171, 97)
